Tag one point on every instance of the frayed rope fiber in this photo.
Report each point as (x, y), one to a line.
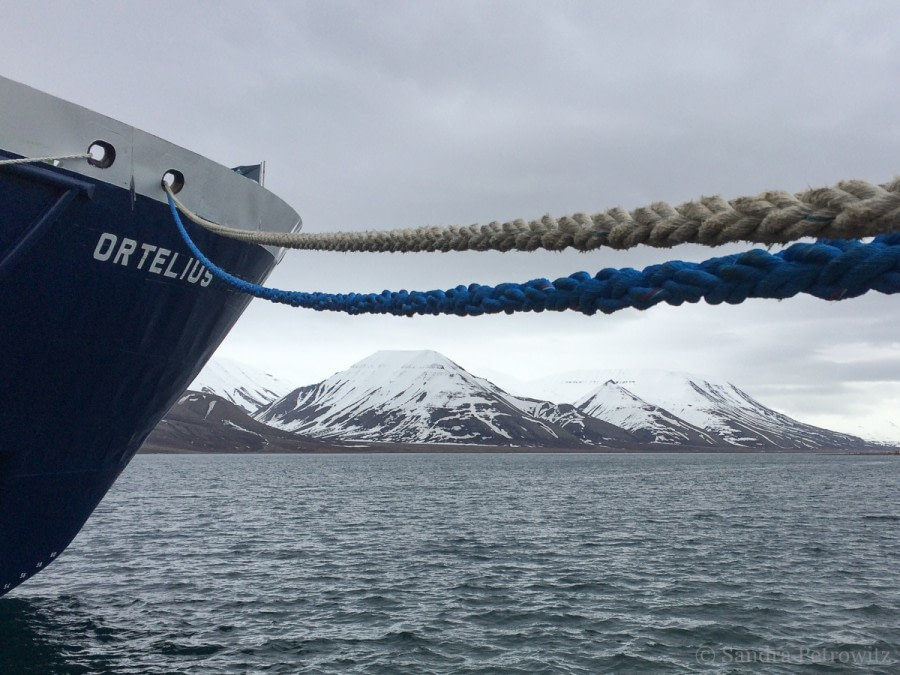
(831, 270)
(849, 210)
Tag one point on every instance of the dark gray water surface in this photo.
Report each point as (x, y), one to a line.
(475, 563)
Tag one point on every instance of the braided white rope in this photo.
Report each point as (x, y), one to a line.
(850, 210)
(35, 160)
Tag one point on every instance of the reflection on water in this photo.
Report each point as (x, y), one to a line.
(50, 635)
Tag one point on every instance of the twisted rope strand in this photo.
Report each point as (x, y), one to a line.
(851, 209)
(831, 270)
(35, 160)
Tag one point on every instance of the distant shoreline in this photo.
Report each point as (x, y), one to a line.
(398, 449)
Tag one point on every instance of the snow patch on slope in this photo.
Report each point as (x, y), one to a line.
(412, 397)
(616, 404)
(240, 384)
(718, 408)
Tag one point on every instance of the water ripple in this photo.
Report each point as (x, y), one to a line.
(474, 563)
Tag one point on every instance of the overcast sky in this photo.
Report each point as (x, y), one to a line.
(399, 114)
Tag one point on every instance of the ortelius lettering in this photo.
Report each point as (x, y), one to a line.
(154, 259)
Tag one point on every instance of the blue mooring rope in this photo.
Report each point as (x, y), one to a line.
(831, 270)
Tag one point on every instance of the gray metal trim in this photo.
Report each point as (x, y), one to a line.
(35, 124)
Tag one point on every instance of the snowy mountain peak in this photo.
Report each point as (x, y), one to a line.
(718, 410)
(424, 397)
(614, 403)
(399, 358)
(405, 378)
(572, 386)
(238, 383)
(379, 365)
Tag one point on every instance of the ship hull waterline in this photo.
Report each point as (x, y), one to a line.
(106, 319)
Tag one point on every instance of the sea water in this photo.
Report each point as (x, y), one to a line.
(472, 563)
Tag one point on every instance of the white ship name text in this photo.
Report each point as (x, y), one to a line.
(155, 259)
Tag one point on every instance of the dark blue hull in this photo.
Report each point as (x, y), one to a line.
(106, 318)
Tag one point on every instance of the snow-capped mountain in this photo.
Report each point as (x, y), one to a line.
(650, 423)
(634, 399)
(247, 387)
(424, 397)
(586, 428)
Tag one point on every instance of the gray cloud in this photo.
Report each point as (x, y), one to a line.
(399, 114)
